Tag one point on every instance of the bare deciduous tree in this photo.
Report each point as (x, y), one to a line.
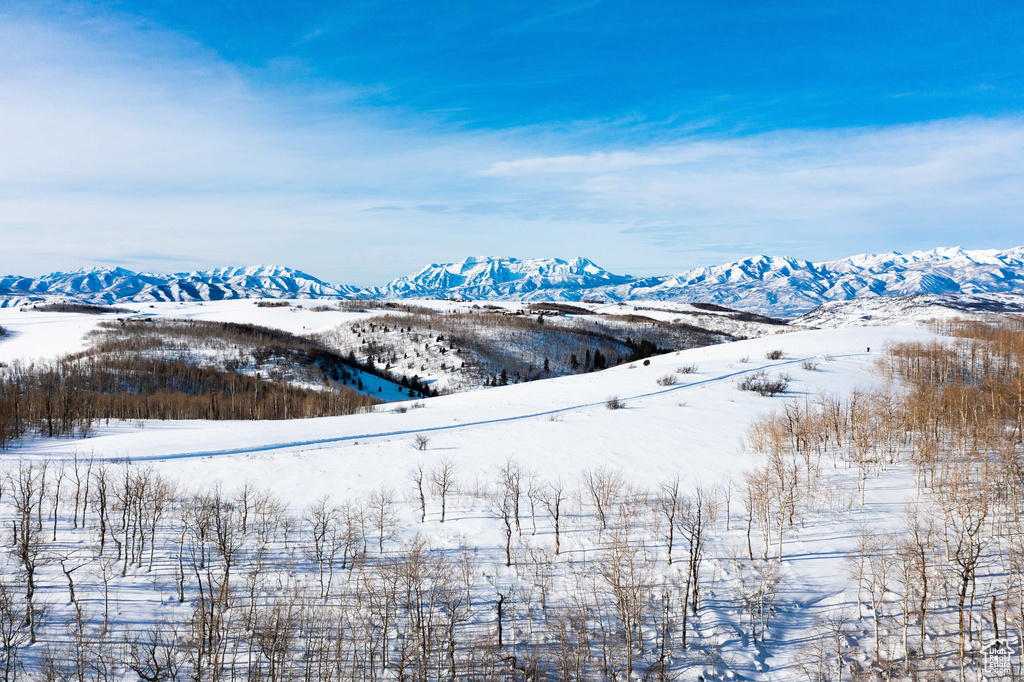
(603, 485)
(417, 474)
(554, 495)
(442, 479)
(382, 514)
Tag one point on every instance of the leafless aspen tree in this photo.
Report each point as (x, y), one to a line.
(534, 493)
(27, 485)
(155, 653)
(502, 506)
(59, 474)
(417, 474)
(759, 580)
(876, 578)
(629, 579)
(322, 519)
(382, 514)
(669, 501)
(12, 632)
(603, 486)
(442, 479)
(554, 497)
(510, 477)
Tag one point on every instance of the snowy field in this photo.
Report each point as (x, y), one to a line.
(680, 415)
(559, 425)
(37, 335)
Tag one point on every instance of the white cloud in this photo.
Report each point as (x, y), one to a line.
(962, 163)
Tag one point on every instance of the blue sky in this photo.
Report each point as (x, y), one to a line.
(361, 140)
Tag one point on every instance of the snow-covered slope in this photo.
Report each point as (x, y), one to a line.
(554, 434)
(118, 285)
(908, 310)
(555, 430)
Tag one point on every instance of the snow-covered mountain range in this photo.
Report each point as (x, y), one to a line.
(776, 286)
(767, 285)
(789, 287)
(541, 279)
(118, 285)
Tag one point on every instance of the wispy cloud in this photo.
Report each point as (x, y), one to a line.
(925, 176)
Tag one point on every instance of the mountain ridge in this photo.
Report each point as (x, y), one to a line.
(769, 285)
(110, 285)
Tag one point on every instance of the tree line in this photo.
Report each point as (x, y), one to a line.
(70, 397)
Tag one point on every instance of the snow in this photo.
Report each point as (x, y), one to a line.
(515, 420)
(35, 336)
(486, 278)
(917, 309)
(39, 335)
(357, 453)
(773, 286)
(556, 427)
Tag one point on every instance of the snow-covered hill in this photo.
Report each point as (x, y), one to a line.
(118, 285)
(555, 432)
(436, 480)
(775, 286)
(918, 308)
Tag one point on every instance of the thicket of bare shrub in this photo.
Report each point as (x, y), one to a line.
(614, 403)
(761, 383)
(75, 307)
